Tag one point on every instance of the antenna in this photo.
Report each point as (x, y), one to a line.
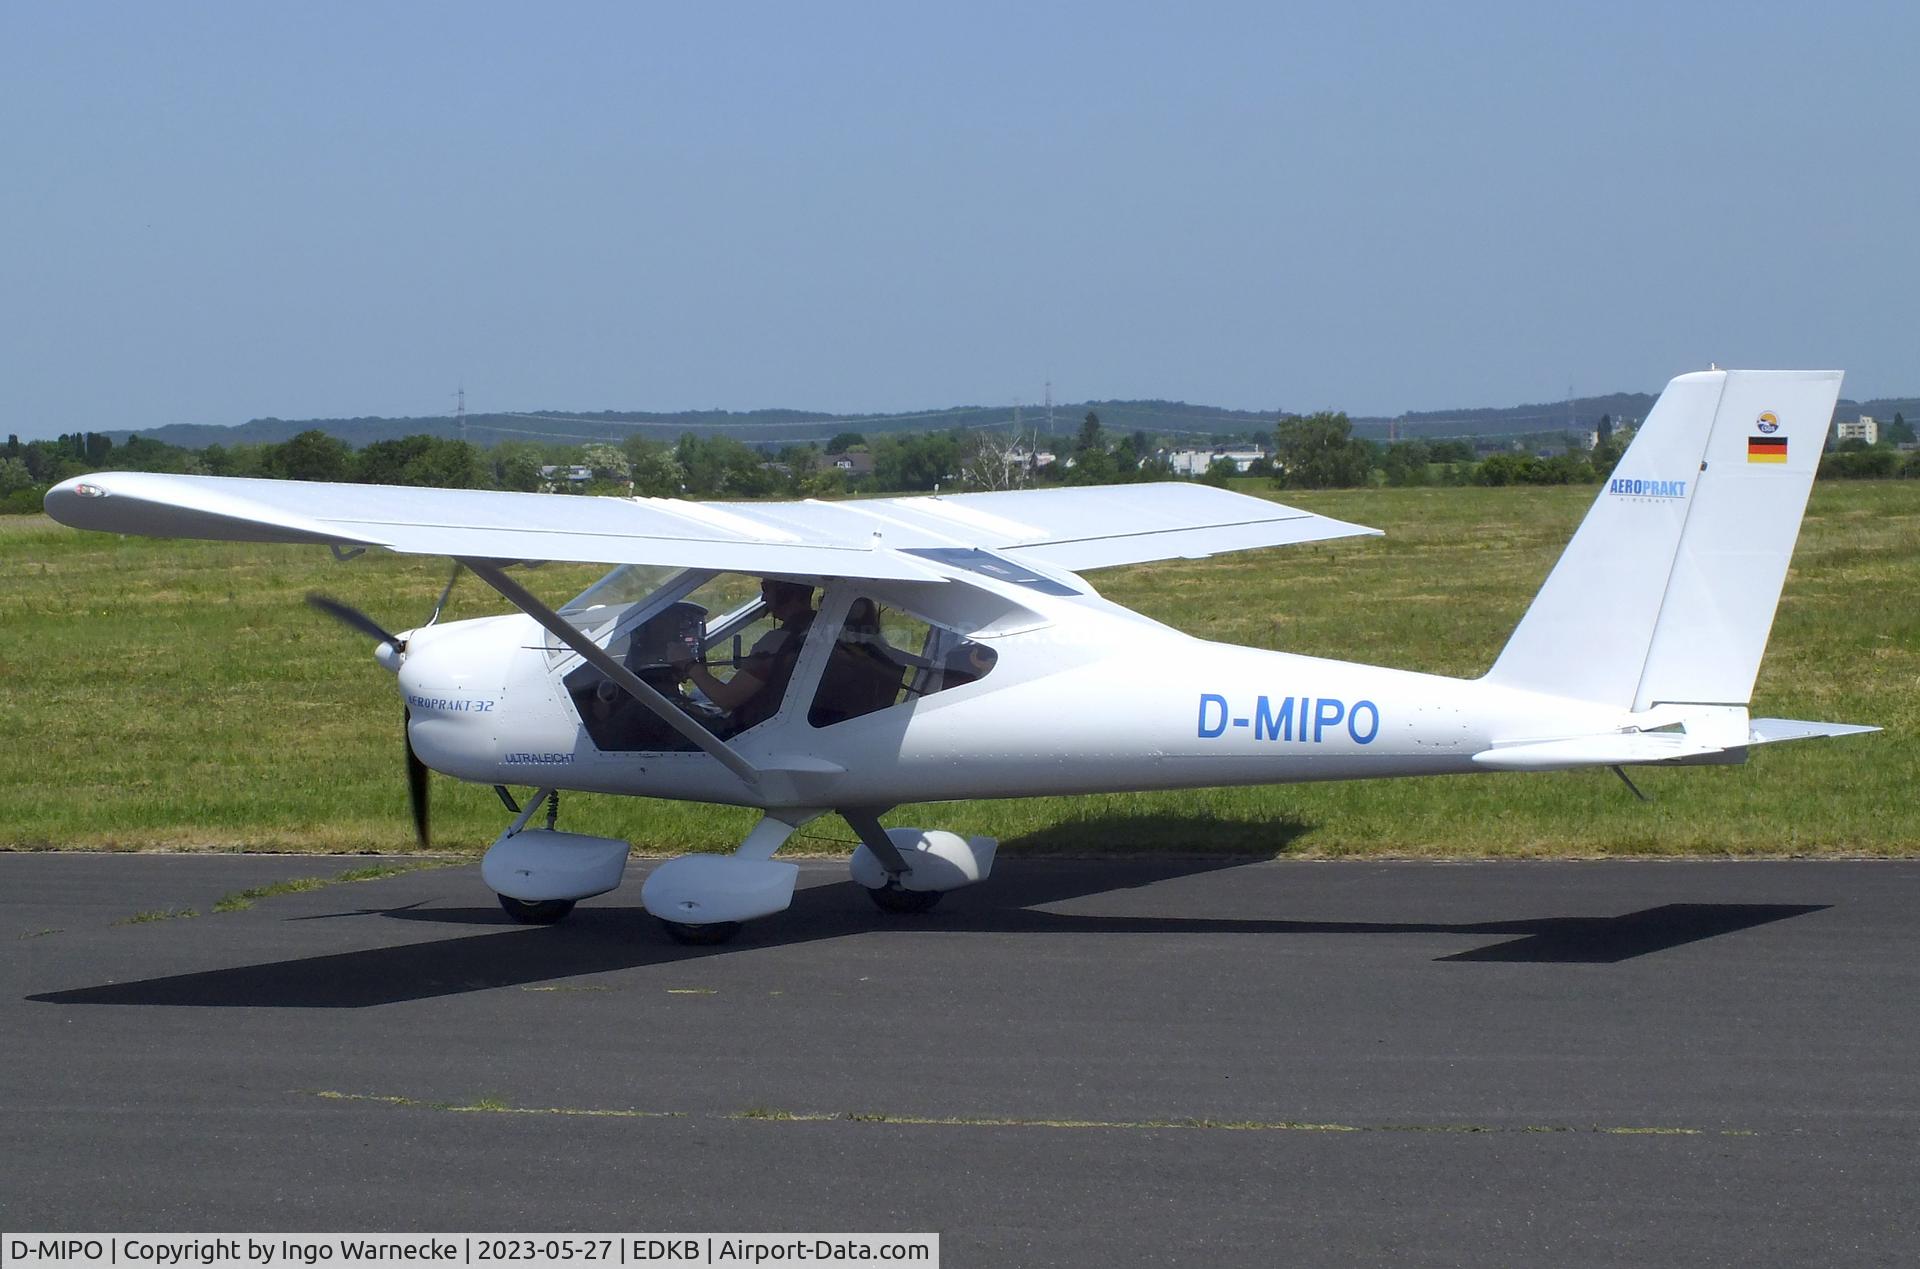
(1049, 407)
(460, 411)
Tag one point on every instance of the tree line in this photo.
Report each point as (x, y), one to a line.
(1319, 451)
(1316, 451)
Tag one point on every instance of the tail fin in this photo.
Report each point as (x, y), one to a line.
(1667, 592)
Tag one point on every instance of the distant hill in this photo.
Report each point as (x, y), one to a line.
(1582, 412)
(792, 427)
(756, 427)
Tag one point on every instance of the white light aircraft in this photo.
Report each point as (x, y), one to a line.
(807, 657)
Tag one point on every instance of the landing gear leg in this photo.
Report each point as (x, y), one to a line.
(893, 897)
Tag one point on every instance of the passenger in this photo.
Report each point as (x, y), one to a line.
(754, 692)
(863, 674)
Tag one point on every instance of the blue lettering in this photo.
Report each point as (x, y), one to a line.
(1270, 726)
(1353, 722)
(1208, 698)
(1633, 488)
(1327, 713)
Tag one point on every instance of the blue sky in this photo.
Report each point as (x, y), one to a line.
(218, 212)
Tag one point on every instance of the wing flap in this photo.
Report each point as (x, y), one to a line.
(1187, 543)
(1073, 528)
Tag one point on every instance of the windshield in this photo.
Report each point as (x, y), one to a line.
(600, 606)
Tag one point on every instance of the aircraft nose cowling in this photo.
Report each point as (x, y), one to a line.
(453, 679)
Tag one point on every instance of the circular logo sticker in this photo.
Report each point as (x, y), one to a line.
(1768, 422)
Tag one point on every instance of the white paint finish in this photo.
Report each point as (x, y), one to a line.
(1664, 597)
(1108, 551)
(1587, 632)
(711, 889)
(936, 861)
(1732, 560)
(1767, 731)
(1592, 751)
(817, 539)
(539, 864)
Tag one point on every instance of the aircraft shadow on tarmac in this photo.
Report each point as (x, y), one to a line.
(603, 939)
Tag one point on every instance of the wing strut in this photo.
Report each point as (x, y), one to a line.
(569, 634)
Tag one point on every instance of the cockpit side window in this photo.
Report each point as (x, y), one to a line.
(724, 653)
(616, 722)
(884, 656)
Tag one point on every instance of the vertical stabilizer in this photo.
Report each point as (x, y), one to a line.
(1668, 589)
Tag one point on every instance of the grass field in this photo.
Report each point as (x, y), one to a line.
(180, 694)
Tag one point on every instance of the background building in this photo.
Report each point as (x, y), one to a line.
(1865, 429)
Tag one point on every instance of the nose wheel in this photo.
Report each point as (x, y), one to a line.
(536, 912)
(711, 934)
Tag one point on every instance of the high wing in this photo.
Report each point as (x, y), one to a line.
(900, 538)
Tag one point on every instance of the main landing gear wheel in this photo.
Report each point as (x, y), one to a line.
(711, 934)
(899, 901)
(536, 911)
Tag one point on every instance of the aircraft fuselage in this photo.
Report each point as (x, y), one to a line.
(1156, 709)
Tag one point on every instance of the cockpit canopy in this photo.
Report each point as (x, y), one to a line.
(848, 654)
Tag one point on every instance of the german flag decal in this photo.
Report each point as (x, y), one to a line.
(1766, 449)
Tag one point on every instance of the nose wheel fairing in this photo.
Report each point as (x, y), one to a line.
(538, 865)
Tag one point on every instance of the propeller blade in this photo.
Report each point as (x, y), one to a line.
(348, 615)
(416, 786)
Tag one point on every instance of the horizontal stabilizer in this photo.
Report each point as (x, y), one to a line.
(1767, 731)
(1611, 750)
(1628, 748)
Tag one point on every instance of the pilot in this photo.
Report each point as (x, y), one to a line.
(754, 692)
(624, 722)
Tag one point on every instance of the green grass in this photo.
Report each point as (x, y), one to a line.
(180, 694)
(158, 914)
(241, 900)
